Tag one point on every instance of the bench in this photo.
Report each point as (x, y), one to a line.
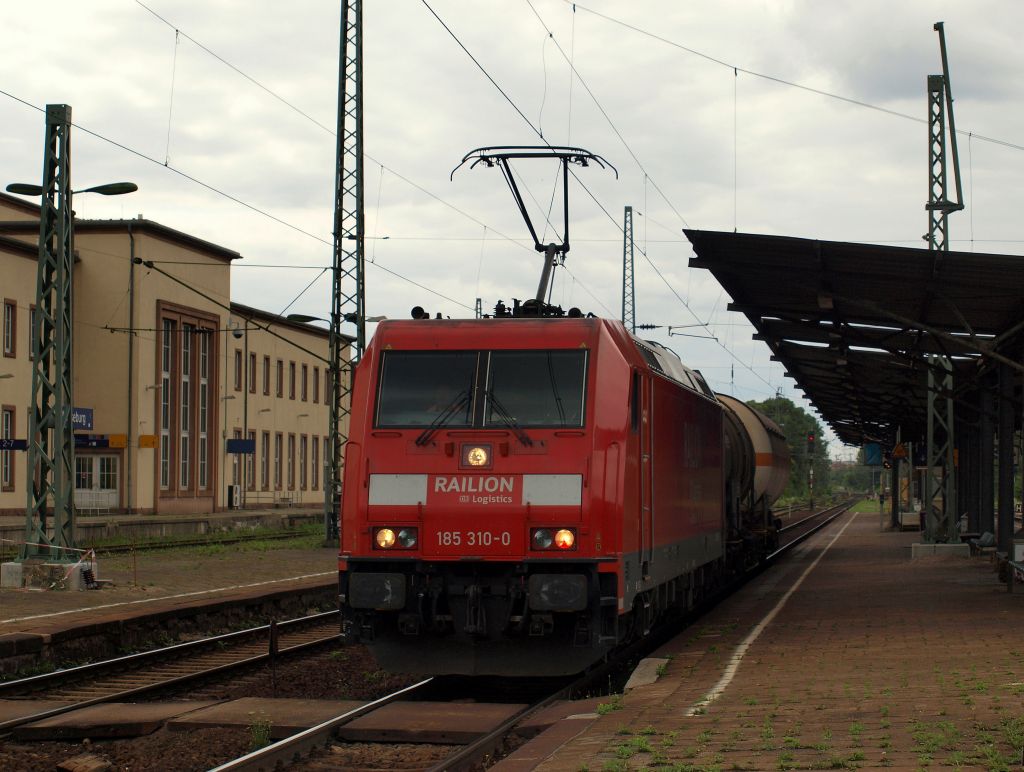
(1015, 573)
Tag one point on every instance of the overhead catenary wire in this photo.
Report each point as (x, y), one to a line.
(507, 98)
(235, 199)
(782, 81)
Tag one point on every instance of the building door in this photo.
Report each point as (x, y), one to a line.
(97, 482)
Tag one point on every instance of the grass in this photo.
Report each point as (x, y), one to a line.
(259, 731)
(614, 703)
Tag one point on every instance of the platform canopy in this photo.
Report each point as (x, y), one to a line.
(853, 324)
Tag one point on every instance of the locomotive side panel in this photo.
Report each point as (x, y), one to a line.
(688, 500)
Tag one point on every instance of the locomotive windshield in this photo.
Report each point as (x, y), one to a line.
(462, 389)
(418, 387)
(536, 388)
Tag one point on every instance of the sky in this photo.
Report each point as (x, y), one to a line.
(792, 118)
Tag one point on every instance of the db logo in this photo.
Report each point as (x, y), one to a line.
(463, 499)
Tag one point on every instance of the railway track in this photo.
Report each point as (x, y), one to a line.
(134, 675)
(318, 749)
(797, 532)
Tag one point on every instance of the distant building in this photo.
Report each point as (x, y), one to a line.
(165, 375)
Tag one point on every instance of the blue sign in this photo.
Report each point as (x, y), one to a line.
(81, 419)
(873, 454)
(92, 441)
(13, 444)
(241, 446)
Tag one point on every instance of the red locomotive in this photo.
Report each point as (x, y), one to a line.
(521, 495)
(524, 493)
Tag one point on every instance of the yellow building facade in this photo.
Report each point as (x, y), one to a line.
(168, 376)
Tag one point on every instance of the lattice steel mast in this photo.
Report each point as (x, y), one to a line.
(628, 293)
(51, 442)
(348, 298)
(941, 523)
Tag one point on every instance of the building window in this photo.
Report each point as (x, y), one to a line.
(327, 462)
(303, 384)
(185, 408)
(280, 378)
(314, 463)
(291, 380)
(327, 387)
(238, 369)
(316, 383)
(303, 445)
(10, 328)
(266, 376)
(236, 434)
(166, 398)
(250, 463)
(252, 373)
(277, 460)
(265, 461)
(291, 462)
(31, 326)
(7, 456)
(203, 423)
(186, 415)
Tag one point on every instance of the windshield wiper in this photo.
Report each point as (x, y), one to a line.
(509, 421)
(446, 415)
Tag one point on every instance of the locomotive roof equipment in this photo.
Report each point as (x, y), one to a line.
(554, 253)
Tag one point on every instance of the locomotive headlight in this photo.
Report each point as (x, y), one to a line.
(543, 539)
(553, 539)
(402, 538)
(407, 538)
(476, 455)
(385, 538)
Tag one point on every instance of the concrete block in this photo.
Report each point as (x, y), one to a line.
(113, 719)
(285, 716)
(948, 550)
(85, 762)
(11, 575)
(646, 672)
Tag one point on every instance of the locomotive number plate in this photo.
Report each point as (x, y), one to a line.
(473, 539)
(468, 537)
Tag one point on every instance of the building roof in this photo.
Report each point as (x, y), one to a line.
(853, 323)
(283, 321)
(138, 225)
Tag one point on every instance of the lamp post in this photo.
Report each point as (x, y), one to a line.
(50, 467)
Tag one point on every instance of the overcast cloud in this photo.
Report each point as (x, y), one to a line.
(726, 149)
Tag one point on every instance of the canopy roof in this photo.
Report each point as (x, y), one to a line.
(854, 324)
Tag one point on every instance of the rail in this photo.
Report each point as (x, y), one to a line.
(24, 686)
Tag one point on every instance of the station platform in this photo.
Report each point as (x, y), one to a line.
(847, 654)
(162, 591)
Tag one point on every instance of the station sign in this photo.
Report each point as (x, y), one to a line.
(81, 419)
(91, 441)
(117, 440)
(872, 454)
(147, 440)
(8, 444)
(241, 446)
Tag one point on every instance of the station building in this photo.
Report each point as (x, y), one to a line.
(168, 372)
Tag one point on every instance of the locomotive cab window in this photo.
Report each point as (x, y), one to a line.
(418, 388)
(536, 388)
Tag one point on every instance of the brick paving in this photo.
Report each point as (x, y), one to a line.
(874, 661)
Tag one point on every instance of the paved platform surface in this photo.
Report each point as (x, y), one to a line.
(873, 660)
(166, 580)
